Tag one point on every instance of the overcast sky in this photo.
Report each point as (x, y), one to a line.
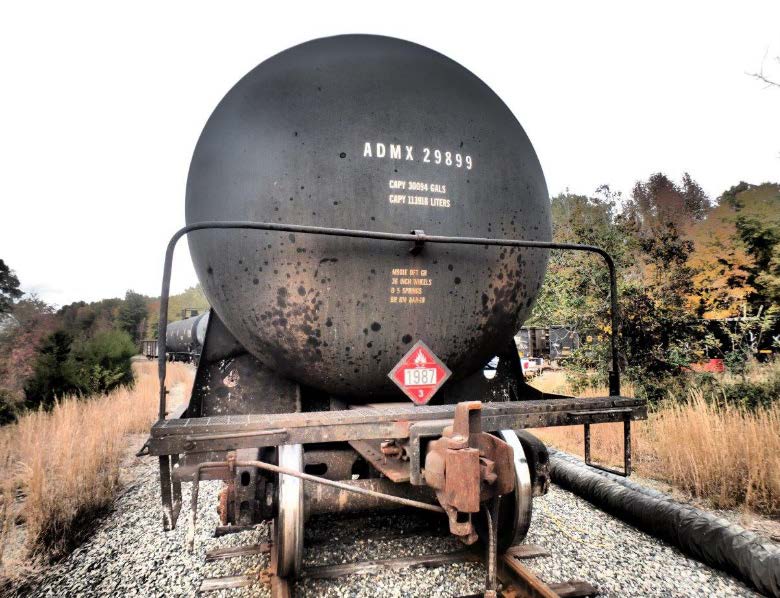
(101, 106)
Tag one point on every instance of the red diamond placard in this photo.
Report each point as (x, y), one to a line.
(420, 373)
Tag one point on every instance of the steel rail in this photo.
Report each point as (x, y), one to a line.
(419, 238)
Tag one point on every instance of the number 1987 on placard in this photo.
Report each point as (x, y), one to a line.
(420, 376)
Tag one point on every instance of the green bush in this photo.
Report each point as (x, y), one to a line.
(757, 387)
(63, 367)
(103, 362)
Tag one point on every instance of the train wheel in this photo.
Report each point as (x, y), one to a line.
(514, 510)
(288, 525)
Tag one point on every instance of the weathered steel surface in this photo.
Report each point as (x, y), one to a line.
(336, 132)
(280, 587)
(466, 467)
(538, 460)
(326, 499)
(527, 551)
(172, 436)
(397, 413)
(522, 581)
(230, 381)
(332, 463)
(574, 589)
(395, 469)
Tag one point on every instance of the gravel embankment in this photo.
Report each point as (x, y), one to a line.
(130, 555)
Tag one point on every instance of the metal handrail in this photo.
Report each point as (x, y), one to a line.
(419, 238)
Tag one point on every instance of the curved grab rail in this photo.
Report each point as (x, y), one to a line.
(417, 237)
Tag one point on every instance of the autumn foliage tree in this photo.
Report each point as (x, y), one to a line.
(9, 288)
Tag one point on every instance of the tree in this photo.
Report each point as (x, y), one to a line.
(659, 332)
(132, 314)
(755, 214)
(53, 376)
(762, 239)
(575, 289)
(659, 202)
(696, 201)
(9, 288)
(721, 264)
(34, 322)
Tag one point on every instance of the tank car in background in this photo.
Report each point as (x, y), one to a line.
(184, 340)
(353, 201)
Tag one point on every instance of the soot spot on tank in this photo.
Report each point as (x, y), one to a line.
(457, 280)
(301, 291)
(407, 338)
(210, 270)
(255, 281)
(281, 295)
(343, 155)
(376, 326)
(365, 331)
(328, 322)
(450, 267)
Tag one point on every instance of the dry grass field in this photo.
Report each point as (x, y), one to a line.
(61, 469)
(724, 454)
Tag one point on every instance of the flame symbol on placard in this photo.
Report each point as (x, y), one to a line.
(419, 359)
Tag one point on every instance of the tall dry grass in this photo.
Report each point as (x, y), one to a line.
(61, 468)
(725, 454)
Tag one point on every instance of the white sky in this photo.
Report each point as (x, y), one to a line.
(101, 105)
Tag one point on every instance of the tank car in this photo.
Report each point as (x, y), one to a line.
(184, 339)
(355, 205)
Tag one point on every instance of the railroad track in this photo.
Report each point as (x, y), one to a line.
(517, 579)
(127, 556)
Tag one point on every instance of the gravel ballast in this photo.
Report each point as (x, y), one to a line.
(130, 555)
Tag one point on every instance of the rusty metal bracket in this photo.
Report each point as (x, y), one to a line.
(626, 449)
(419, 242)
(418, 432)
(467, 467)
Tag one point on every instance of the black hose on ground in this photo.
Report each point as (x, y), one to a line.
(710, 539)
